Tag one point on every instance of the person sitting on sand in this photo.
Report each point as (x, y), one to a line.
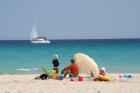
(72, 69)
(103, 71)
(55, 63)
(103, 76)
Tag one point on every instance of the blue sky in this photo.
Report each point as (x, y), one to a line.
(70, 19)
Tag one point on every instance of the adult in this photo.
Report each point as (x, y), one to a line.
(55, 63)
(72, 69)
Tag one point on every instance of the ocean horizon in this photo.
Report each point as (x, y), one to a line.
(23, 57)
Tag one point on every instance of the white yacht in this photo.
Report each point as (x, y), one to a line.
(34, 37)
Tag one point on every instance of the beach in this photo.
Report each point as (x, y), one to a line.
(21, 62)
(69, 46)
(27, 84)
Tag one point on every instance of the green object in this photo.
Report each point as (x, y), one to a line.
(49, 72)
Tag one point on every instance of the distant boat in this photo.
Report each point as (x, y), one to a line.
(34, 36)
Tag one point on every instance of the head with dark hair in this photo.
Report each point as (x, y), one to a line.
(72, 61)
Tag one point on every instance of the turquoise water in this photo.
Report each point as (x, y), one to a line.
(22, 57)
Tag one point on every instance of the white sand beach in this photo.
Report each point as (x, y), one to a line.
(27, 84)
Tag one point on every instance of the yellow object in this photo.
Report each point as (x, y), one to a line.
(103, 78)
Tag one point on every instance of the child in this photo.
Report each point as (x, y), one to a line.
(103, 76)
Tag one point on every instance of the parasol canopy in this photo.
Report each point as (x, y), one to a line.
(86, 64)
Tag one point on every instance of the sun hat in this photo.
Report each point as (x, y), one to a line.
(55, 56)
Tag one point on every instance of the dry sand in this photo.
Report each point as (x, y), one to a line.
(27, 84)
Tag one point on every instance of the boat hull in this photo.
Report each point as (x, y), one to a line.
(40, 42)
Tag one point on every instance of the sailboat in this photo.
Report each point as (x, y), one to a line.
(34, 36)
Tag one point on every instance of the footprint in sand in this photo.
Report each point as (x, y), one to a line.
(6, 92)
(98, 91)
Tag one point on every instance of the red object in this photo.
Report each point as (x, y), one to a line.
(80, 78)
(73, 68)
(57, 78)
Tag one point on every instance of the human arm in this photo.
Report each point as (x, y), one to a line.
(66, 69)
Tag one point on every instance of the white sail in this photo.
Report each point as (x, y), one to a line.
(34, 32)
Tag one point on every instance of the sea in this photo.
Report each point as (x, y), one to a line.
(23, 57)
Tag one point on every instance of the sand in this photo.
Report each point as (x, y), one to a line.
(27, 84)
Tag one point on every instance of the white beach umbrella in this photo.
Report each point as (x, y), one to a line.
(86, 64)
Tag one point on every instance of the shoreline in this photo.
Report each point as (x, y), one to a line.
(27, 84)
(80, 74)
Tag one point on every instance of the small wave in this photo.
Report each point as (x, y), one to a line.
(22, 69)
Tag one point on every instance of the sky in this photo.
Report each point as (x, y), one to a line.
(70, 19)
